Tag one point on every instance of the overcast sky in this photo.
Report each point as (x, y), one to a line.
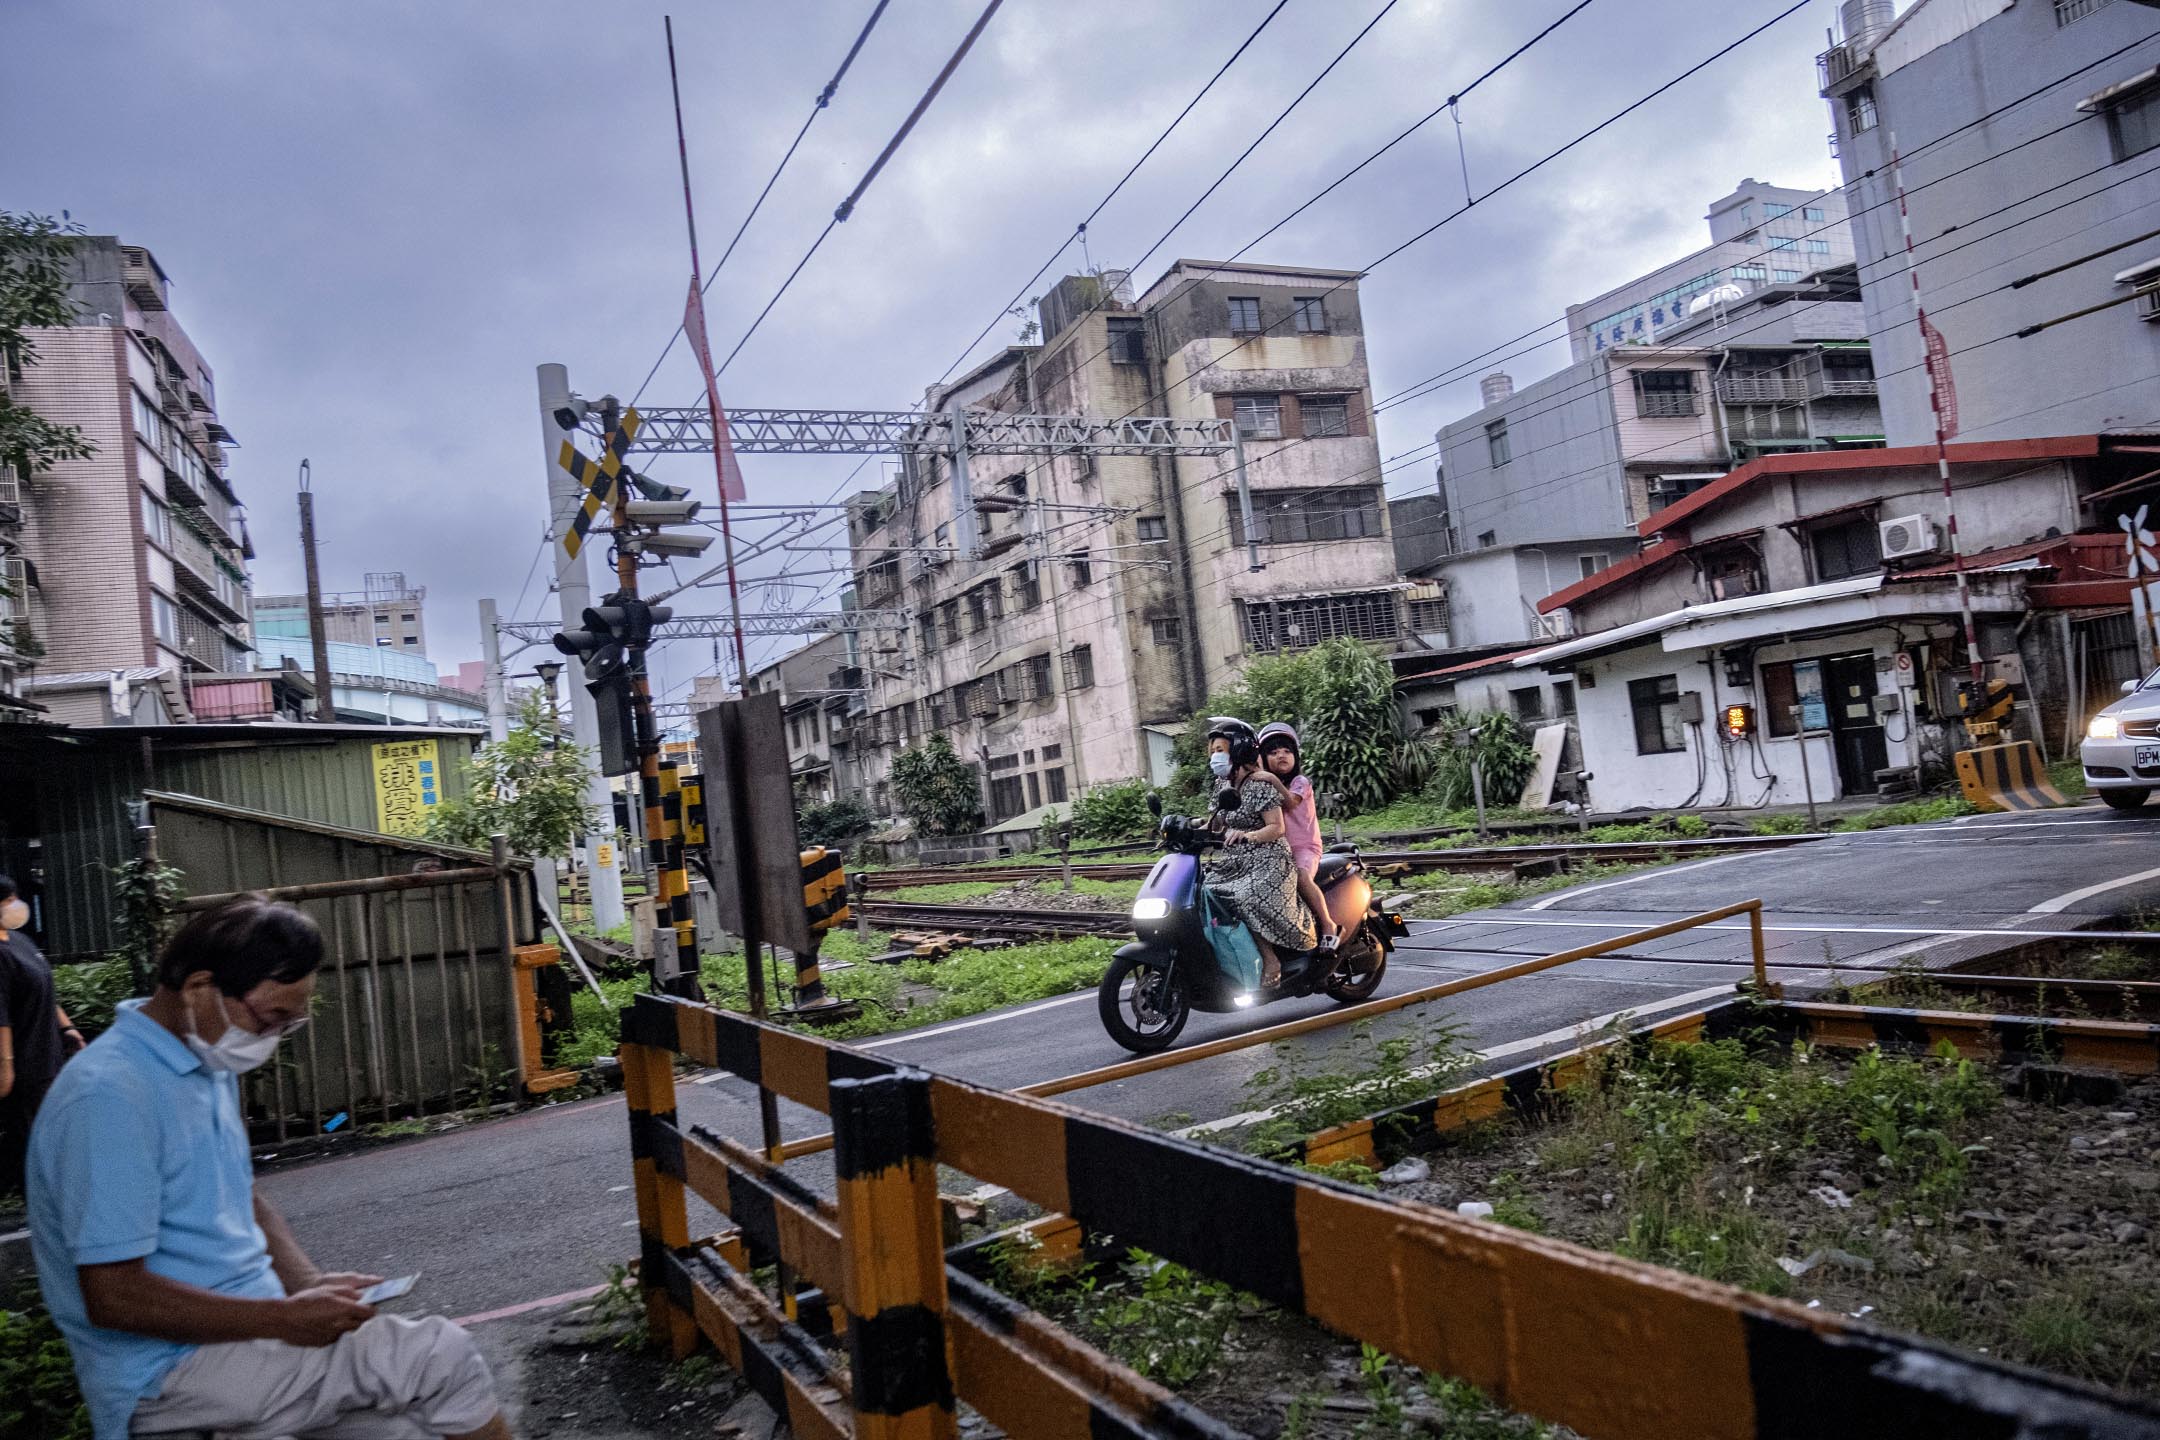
(379, 217)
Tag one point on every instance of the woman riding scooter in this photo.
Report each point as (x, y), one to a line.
(1254, 867)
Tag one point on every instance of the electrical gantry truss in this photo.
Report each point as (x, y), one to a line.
(910, 432)
(755, 625)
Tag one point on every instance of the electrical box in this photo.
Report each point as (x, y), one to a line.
(1888, 705)
(1691, 707)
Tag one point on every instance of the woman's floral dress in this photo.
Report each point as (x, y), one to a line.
(1259, 877)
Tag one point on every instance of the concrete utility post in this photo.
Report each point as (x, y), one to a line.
(491, 665)
(318, 632)
(573, 591)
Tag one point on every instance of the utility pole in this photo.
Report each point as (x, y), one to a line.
(573, 591)
(491, 679)
(318, 635)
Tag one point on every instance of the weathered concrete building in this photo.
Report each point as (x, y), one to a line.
(2028, 134)
(821, 695)
(385, 612)
(126, 572)
(1113, 593)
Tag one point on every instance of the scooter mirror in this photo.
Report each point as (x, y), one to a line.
(1154, 804)
(1226, 799)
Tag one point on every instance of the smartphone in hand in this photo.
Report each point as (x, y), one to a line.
(386, 1290)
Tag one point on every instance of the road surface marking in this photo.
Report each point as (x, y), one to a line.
(14, 1235)
(509, 1312)
(935, 1031)
(2063, 902)
(1784, 929)
(1560, 895)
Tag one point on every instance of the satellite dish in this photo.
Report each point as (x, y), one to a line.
(1712, 299)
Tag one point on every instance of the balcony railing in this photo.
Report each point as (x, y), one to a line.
(1744, 389)
(1839, 66)
(1824, 386)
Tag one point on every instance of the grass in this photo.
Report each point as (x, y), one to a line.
(1909, 812)
(951, 893)
(2068, 777)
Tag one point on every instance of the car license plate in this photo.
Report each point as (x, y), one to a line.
(2147, 756)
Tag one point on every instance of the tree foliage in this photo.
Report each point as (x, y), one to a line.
(1116, 811)
(530, 787)
(936, 789)
(835, 824)
(1504, 752)
(34, 251)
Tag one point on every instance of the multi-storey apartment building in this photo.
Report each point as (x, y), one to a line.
(1111, 594)
(126, 572)
(821, 694)
(385, 612)
(2029, 136)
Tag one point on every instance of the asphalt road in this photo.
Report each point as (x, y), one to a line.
(536, 1206)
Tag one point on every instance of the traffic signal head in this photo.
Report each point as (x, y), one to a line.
(1739, 721)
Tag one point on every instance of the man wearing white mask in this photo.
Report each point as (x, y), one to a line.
(36, 1035)
(185, 1300)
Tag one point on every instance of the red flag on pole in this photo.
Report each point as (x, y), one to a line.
(1938, 367)
(731, 481)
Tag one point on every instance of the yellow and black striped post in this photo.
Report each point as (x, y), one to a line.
(2006, 777)
(893, 1257)
(825, 900)
(663, 1217)
(673, 887)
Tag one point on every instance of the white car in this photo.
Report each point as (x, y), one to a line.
(2121, 752)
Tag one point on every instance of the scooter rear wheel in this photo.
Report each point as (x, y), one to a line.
(1143, 1008)
(1360, 973)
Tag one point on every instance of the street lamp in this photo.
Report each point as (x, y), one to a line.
(547, 670)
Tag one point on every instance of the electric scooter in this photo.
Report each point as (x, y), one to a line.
(1170, 969)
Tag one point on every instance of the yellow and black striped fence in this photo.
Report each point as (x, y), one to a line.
(1608, 1346)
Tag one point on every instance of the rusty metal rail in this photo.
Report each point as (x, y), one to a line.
(993, 920)
(1610, 1347)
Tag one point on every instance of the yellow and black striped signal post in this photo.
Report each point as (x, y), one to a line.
(825, 901)
(892, 1257)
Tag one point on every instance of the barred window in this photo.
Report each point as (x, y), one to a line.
(949, 621)
(1664, 393)
(1294, 624)
(1027, 586)
(1164, 632)
(1259, 417)
(1080, 668)
(1291, 517)
(1325, 415)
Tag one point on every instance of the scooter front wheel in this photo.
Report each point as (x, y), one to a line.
(1359, 973)
(1143, 1006)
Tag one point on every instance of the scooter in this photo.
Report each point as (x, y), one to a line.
(1170, 970)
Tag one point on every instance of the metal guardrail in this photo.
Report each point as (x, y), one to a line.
(1610, 1347)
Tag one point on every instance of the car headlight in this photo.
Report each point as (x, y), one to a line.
(2104, 727)
(1150, 907)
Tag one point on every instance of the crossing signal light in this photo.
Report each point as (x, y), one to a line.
(1739, 721)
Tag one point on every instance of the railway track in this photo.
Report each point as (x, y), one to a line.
(904, 917)
(1480, 860)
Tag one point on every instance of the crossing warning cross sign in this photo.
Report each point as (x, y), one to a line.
(598, 479)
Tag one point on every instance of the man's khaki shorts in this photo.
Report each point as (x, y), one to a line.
(391, 1379)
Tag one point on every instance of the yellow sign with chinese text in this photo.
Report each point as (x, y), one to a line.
(408, 784)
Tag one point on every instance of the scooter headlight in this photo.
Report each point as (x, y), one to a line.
(1151, 907)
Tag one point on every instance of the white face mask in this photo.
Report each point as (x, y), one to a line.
(14, 914)
(237, 1051)
(1219, 763)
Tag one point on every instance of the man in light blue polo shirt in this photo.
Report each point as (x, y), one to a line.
(185, 1300)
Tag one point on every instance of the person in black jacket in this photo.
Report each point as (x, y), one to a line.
(36, 1035)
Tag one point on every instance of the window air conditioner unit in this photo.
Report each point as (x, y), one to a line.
(1909, 535)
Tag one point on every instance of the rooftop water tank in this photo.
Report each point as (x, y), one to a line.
(1496, 387)
(1865, 21)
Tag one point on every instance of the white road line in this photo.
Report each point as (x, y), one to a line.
(2063, 902)
(14, 1235)
(1559, 895)
(1779, 929)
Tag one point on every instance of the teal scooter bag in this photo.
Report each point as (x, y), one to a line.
(1236, 952)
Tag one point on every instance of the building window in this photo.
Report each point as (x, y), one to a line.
(1813, 212)
(2134, 122)
(1848, 548)
(1054, 782)
(1259, 417)
(410, 640)
(1005, 801)
(1034, 784)
(1164, 632)
(1153, 529)
(1747, 217)
(1311, 313)
(1590, 564)
(382, 619)
(1783, 242)
(1487, 539)
(1527, 703)
(1496, 443)
(1860, 109)
(1818, 247)
(157, 521)
(1563, 699)
(1287, 517)
(1656, 703)
(1771, 210)
(1732, 571)
(382, 642)
(1325, 415)
(1083, 570)
(165, 619)
(2067, 11)
(1035, 678)
(1766, 422)
(1664, 393)
(1128, 340)
(1294, 624)
(949, 621)
(1080, 668)
(978, 612)
(1785, 277)
(1244, 315)
(1027, 586)
(926, 624)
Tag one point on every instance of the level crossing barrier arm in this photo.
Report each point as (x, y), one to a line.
(1610, 1347)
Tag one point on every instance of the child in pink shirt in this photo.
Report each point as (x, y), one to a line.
(1301, 821)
